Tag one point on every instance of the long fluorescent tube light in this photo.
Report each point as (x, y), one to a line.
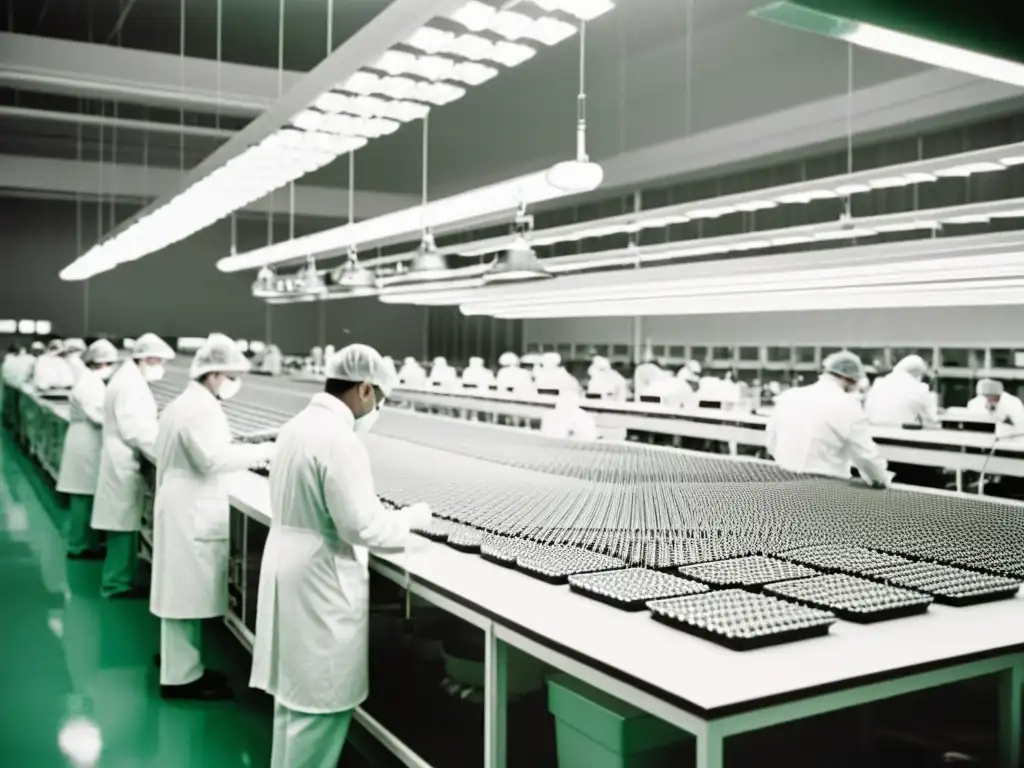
(890, 41)
(506, 196)
(374, 101)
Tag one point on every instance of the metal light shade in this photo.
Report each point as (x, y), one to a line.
(520, 262)
(354, 276)
(428, 260)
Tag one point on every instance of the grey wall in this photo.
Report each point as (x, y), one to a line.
(177, 292)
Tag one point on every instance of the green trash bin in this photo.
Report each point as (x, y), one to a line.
(595, 730)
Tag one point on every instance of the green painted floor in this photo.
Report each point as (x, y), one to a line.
(77, 670)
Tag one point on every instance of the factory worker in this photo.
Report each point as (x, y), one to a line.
(511, 376)
(673, 391)
(73, 351)
(51, 370)
(328, 353)
(605, 381)
(646, 374)
(411, 374)
(441, 372)
(129, 432)
(690, 373)
(1006, 409)
(902, 397)
(568, 420)
(83, 444)
(312, 621)
(316, 359)
(477, 374)
(272, 362)
(37, 348)
(820, 429)
(551, 375)
(194, 457)
(13, 360)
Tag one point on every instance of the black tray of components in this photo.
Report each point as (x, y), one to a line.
(503, 550)
(555, 564)
(904, 602)
(468, 540)
(842, 558)
(759, 571)
(975, 587)
(438, 530)
(600, 586)
(821, 622)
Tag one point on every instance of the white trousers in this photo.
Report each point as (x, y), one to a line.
(180, 661)
(302, 740)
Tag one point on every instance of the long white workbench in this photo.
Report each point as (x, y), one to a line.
(708, 691)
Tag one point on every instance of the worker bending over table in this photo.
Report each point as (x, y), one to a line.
(822, 429)
(312, 621)
(1006, 409)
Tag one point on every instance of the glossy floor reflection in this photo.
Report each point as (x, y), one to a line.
(77, 670)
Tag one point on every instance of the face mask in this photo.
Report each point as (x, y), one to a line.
(365, 422)
(105, 373)
(153, 373)
(229, 388)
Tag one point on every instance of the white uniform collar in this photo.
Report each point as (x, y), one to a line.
(336, 407)
(197, 387)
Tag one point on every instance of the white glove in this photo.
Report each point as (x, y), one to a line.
(418, 515)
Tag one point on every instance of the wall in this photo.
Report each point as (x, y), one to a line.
(177, 292)
(942, 326)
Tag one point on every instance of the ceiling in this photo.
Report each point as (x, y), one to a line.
(653, 85)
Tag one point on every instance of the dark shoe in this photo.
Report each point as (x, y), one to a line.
(212, 674)
(135, 593)
(209, 687)
(89, 554)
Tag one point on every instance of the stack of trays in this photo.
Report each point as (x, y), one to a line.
(632, 588)
(842, 558)
(851, 598)
(741, 620)
(747, 572)
(949, 585)
(557, 564)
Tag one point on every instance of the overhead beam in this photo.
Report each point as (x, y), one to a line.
(22, 176)
(88, 70)
(109, 121)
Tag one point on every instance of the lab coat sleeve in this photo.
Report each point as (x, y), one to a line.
(212, 455)
(352, 503)
(928, 411)
(136, 420)
(1015, 413)
(865, 453)
(89, 394)
(771, 432)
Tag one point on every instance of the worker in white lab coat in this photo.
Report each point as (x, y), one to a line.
(674, 392)
(902, 397)
(316, 360)
(191, 513)
(568, 420)
(83, 444)
(511, 376)
(605, 381)
(51, 370)
(272, 361)
(312, 621)
(1006, 409)
(441, 373)
(73, 351)
(550, 374)
(646, 374)
(129, 431)
(821, 429)
(477, 375)
(411, 374)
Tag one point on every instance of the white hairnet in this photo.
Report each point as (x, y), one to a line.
(220, 354)
(845, 364)
(74, 345)
(151, 345)
(913, 365)
(55, 346)
(37, 346)
(551, 360)
(694, 367)
(601, 363)
(409, 361)
(359, 362)
(440, 361)
(508, 359)
(100, 353)
(989, 388)
(476, 362)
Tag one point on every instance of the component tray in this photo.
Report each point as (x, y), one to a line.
(744, 643)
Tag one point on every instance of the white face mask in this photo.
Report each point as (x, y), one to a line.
(105, 373)
(153, 373)
(229, 388)
(366, 422)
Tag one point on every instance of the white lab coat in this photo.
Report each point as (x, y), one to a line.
(412, 375)
(312, 621)
(645, 375)
(9, 369)
(609, 384)
(83, 443)
(555, 378)
(78, 368)
(272, 362)
(129, 429)
(674, 392)
(821, 429)
(443, 375)
(898, 398)
(569, 421)
(480, 377)
(52, 372)
(512, 378)
(1008, 412)
(191, 511)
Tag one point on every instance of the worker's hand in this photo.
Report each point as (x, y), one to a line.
(418, 515)
(269, 449)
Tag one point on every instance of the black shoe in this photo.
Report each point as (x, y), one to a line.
(135, 593)
(212, 674)
(89, 554)
(209, 687)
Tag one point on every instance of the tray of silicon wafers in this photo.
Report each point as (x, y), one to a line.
(852, 598)
(842, 558)
(947, 584)
(742, 620)
(503, 550)
(632, 588)
(555, 564)
(747, 572)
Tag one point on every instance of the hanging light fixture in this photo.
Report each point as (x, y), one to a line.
(354, 277)
(265, 284)
(520, 261)
(428, 264)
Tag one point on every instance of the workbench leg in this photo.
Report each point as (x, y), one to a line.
(960, 481)
(495, 701)
(1010, 714)
(710, 750)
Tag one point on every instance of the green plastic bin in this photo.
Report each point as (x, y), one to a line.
(595, 730)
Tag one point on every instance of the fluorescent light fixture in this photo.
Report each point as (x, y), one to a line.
(584, 10)
(44, 327)
(26, 326)
(519, 263)
(8, 326)
(892, 42)
(190, 343)
(424, 293)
